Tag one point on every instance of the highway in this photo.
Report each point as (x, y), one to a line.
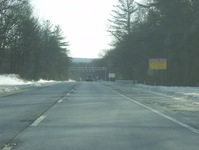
(88, 116)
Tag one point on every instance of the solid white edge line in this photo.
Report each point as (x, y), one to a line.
(36, 122)
(161, 114)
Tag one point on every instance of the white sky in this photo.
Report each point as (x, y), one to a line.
(84, 23)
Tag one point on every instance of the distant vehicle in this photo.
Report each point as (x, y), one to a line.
(89, 77)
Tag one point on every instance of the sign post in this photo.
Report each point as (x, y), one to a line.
(111, 76)
(157, 70)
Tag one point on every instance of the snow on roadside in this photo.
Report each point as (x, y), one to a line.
(180, 99)
(12, 82)
(178, 93)
(189, 93)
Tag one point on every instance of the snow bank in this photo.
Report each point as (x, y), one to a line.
(11, 79)
(191, 93)
(12, 82)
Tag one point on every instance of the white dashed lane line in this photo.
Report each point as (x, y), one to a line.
(59, 101)
(36, 122)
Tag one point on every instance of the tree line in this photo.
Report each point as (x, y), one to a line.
(155, 29)
(28, 47)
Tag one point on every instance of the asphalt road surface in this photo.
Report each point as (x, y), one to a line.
(88, 116)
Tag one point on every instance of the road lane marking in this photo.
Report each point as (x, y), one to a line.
(9, 146)
(72, 90)
(159, 113)
(36, 122)
(59, 101)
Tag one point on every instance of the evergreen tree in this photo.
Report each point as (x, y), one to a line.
(122, 16)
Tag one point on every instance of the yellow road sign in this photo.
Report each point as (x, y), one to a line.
(158, 64)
